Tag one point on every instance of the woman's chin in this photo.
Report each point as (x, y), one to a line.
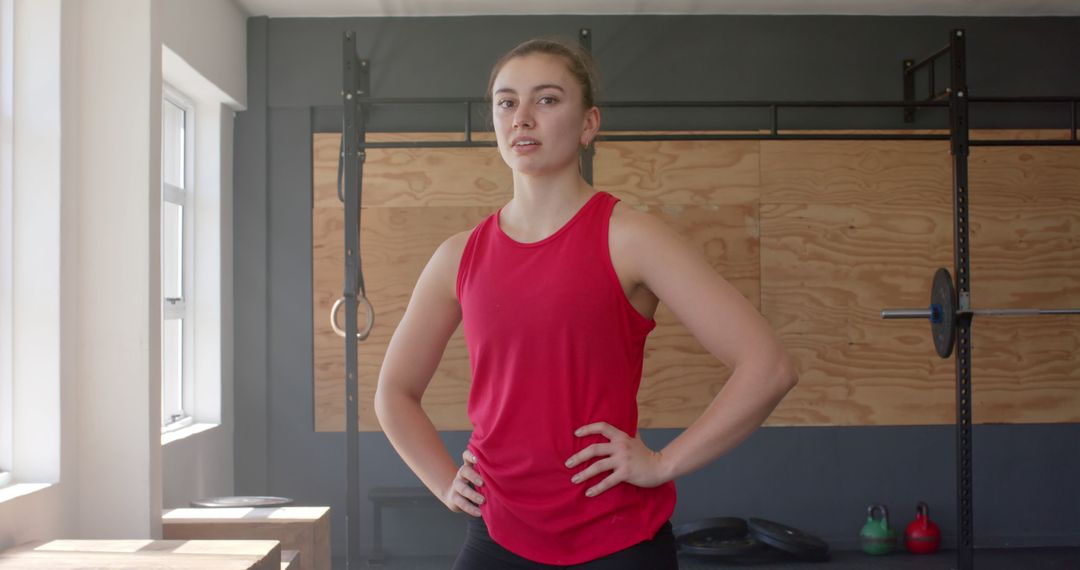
(537, 168)
(530, 170)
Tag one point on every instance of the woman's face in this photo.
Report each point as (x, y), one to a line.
(540, 120)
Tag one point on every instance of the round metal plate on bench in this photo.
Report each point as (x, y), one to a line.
(217, 502)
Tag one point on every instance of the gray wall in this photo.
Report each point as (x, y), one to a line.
(818, 479)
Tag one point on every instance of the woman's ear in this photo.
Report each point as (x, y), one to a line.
(591, 127)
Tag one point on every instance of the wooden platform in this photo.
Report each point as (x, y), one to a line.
(304, 529)
(145, 554)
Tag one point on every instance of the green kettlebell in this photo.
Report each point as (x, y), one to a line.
(877, 537)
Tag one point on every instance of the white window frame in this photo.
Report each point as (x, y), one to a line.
(182, 415)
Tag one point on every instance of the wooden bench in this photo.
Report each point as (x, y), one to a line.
(143, 554)
(304, 529)
(382, 497)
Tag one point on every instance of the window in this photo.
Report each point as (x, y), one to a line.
(196, 251)
(177, 223)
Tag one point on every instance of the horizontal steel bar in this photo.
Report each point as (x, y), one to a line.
(915, 103)
(1023, 312)
(905, 313)
(671, 137)
(616, 104)
(780, 104)
(421, 100)
(431, 144)
(926, 313)
(737, 137)
(1047, 142)
(1063, 99)
(769, 136)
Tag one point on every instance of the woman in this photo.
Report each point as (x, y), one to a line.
(556, 292)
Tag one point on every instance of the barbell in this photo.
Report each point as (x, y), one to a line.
(943, 312)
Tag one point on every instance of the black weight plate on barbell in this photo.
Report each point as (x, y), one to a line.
(720, 537)
(943, 299)
(789, 539)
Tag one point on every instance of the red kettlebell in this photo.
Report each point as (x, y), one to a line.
(923, 535)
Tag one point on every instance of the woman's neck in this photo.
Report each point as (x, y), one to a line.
(542, 205)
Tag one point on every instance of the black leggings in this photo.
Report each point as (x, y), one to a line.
(480, 552)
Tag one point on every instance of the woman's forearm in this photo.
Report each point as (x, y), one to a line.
(417, 441)
(741, 406)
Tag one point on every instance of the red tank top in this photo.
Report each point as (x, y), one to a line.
(554, 344)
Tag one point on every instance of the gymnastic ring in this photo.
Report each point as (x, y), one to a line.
(362, 335)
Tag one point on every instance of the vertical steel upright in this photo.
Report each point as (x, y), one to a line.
(586, 154)
(909, 89)
(959, 126)
(355, 87)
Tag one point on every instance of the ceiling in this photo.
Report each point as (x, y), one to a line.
(340, 8)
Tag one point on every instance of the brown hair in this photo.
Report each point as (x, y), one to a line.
(578, 62)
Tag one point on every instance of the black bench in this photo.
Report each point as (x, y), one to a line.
(382, 497)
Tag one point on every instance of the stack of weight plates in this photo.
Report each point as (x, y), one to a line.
(736, 540)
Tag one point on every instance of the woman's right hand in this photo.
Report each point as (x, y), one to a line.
(462, 495)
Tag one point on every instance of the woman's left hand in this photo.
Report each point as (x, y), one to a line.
(627, 457)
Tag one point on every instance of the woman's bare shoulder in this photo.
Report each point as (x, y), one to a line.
(631, 226)
(447, 259)
(449, 252)
(455, 244)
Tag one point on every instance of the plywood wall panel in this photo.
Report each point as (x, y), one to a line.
(396, 244)
(674, 173)
(819, 235)
(912, 173)
(827, 271)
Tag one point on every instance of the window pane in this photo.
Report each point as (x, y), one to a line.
(172, 250)
(172, 336)
(172, 144)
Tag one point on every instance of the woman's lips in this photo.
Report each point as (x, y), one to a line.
(524, 144)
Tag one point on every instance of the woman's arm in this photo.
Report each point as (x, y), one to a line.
(726, 324)
(411, 359)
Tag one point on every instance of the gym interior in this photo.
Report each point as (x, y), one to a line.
(176, 178)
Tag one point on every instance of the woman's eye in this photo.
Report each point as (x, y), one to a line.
(503, 104)
(550, 99)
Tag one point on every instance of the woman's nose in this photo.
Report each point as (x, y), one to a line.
(523, 116)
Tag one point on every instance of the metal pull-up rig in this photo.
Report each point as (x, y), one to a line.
(357, 99)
